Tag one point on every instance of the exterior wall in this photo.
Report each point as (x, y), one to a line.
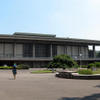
(69, 50)
(39, 64)
(75, 51)
(60, 50)
(86, 51)
(33, 50)
(1, 49)
(9, 50)
(18, 50)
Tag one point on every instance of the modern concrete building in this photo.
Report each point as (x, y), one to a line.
(38, 49)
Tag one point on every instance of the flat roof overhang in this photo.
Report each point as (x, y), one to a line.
(48, 39)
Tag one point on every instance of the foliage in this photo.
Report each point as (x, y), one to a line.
(5, 67)
(62, 61)
(85, 71)
(84, 66)
(22, 66)
(91, 65)
(97, 64)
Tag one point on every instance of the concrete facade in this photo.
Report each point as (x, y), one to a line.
(38, 49)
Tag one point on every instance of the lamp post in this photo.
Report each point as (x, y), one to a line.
(80, 59)
(75, 57)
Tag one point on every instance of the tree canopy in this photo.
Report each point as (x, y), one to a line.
(62, 61)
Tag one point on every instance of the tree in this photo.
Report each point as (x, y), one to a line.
(62, 61)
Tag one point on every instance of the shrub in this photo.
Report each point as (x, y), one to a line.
(84, 66)
(97, 64)
(91, 65)
(5, 67)
(62, 61)
(22, 66)
(85, 71)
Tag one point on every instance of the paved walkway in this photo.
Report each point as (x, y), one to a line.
(46, 87)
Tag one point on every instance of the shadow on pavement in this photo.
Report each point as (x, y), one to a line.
(91, 97)
(97, 86)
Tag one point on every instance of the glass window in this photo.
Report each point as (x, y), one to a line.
(42, 50)
(27, 50)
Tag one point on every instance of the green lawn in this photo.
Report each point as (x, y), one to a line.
(41, 71)
(96, 72)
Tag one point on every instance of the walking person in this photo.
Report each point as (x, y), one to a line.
(14, 70)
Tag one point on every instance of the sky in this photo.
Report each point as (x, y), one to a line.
(65, 18)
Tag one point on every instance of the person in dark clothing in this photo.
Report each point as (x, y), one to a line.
(14, 71)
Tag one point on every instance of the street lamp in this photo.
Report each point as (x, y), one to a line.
(75, 57)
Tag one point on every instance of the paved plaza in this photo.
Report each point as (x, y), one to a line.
(29, 86)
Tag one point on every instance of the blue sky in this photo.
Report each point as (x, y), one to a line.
(65, 18)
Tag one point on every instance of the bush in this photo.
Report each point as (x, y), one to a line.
(62, 61)
(84, 66)
(85, 71)
(97, 64)
(22, 66)
(91, 65)
(5, 67)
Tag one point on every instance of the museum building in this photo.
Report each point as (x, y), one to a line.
(37, 50)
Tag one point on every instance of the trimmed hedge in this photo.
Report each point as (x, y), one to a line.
(85, 71)
(5, 67)
(95, 64)
(84, 66)
(22, 66)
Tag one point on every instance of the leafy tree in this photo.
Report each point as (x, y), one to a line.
(62, 61)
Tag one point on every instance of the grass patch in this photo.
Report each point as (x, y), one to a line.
(41, 71)
(96, 72)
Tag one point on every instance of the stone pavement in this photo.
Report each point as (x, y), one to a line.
(29, 86)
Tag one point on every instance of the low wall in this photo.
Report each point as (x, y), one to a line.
(72, 75)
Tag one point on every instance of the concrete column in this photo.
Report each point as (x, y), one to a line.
(65, 49)
(33, 50)
(4, 49)
(71, 51)
(51, 50)
(94, 55)
(14, 49)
